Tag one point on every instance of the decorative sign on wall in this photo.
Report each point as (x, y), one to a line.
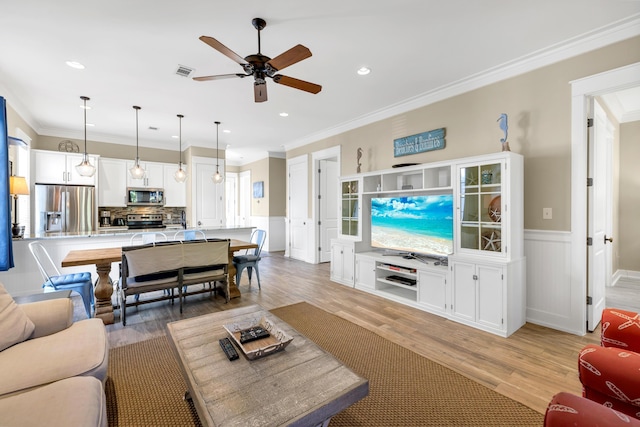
(414, 144)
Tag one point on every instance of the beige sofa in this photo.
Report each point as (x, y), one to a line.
(52, 371)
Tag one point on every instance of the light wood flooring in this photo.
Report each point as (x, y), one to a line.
(530, 366)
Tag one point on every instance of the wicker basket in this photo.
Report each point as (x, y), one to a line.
(277, 340)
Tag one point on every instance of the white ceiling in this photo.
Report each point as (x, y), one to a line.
(131, 50)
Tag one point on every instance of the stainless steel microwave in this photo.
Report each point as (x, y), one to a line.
(145, 196)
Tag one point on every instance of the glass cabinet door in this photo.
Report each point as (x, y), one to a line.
(481, 207)
(350, 208)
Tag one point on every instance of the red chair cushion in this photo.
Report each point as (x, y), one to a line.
(566, 409)
(611, 376)
(620, 328)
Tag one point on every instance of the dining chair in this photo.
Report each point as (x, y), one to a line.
(189, 235)
(251, 257)
(145, 237)
(56, 281)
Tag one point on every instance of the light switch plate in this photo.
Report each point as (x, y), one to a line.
(547, 213)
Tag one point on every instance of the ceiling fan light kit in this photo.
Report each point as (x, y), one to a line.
(137, 172)
(180, 175)
(262, 67)
(85, 168)
(217, 178)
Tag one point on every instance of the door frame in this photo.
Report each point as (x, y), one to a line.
(332, 153)
(581, 89)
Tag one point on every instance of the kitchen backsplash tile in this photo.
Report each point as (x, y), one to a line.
(170, 215)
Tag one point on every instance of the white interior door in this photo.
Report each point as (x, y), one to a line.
(244, 199)
(298, 203)
(207, 197)
(600, 141)
(328, 207)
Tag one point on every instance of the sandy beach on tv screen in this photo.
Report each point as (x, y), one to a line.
(384, 237)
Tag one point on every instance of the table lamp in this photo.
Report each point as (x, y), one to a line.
(17, 187)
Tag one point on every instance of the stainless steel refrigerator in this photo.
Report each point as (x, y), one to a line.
(64, 208)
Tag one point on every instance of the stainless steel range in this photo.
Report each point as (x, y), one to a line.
(136, 221)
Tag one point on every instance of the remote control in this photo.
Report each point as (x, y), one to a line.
(252, 334)
(228, 349)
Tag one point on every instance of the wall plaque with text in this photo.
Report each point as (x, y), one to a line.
(419, 143)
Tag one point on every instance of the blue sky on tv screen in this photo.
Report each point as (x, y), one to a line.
(421, 215)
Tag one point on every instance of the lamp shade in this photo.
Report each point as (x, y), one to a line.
(18, 186)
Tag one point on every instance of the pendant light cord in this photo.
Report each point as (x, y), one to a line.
(85, 99)
(180, 116)
(217, 148)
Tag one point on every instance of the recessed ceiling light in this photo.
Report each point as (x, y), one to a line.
(75, 64)
(90, 124)
(228, 146)
(363, 71)
(283, 114)
(226, 131)
(174, 136)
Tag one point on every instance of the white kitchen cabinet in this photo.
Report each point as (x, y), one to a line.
(175, 193)
(112, 183)
(342, 262)
(53, 167)
(153, 176)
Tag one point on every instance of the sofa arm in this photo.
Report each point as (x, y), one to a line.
(49, 316)
(611, 376)
(566, 409)
(620, 328)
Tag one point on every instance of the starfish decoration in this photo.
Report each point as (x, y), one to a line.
(495, 214)
(492, 242)
(471, 180)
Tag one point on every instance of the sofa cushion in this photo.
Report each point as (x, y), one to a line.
(81, 349)
(620, 328)
(72, 402)
(566, 409)
(68, 279)
(15, 326)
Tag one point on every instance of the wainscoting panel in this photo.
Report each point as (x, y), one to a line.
(276, 233)
(551, 301)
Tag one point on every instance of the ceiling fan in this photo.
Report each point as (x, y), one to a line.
(260, 66)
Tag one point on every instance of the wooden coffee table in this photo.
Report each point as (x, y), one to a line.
(302, 385)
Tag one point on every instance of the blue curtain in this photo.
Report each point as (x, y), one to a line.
(6, 247)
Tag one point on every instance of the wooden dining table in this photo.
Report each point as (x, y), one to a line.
(104, 257)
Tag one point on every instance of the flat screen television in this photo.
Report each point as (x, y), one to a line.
(413, 224)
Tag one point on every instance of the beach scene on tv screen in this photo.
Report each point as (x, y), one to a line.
(421, 224)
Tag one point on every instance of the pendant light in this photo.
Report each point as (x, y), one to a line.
(137, 172)
(217, 178)
(180, 175)
(85, 168)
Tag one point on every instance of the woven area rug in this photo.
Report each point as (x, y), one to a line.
(145, 386)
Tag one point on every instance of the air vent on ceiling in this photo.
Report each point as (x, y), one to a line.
(184, 71)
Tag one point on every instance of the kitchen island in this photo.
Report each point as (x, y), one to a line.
(25, 278)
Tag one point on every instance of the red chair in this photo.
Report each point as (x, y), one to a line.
(566, 409)
(610, 374)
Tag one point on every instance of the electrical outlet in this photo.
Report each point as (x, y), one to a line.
(547, 213)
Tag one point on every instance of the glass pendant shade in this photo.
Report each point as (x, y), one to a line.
(218, 177)
(180, 175)
(137, 171)
(85, 168)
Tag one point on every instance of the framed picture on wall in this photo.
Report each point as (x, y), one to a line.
(258, 190)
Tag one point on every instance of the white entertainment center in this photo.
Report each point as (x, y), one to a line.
(482, 282)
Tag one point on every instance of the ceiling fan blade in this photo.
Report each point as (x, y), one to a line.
(297, 84)
(219, 77)
(290, 57)
(260, 91)
(223, 49)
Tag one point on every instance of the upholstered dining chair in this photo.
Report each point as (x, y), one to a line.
(56, 281)
(251, 258)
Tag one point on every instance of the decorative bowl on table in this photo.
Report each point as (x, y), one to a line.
(275, 342)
